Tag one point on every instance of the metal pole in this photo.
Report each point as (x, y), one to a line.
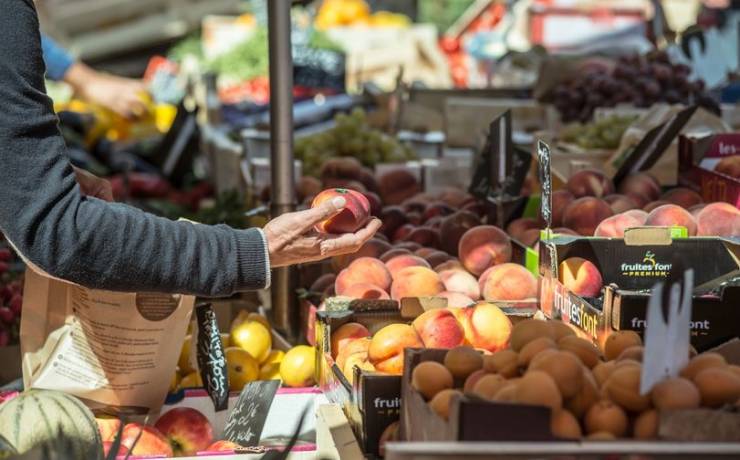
(284, 306)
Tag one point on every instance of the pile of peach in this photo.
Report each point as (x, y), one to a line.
(483, 326)
(591, 392)
(589, 206)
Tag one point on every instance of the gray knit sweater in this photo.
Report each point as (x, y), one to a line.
(85, 240)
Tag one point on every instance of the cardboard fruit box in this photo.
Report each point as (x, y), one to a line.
(477, 420)
(699, 155)
(630, 267)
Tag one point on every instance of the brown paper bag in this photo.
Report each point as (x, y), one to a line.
(113, 350)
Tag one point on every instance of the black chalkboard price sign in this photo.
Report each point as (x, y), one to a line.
(211, 358)
(248, 417)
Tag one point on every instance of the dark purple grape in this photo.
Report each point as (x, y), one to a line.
(698, 85)
(652, 89)
(661, 72)
(672, 96)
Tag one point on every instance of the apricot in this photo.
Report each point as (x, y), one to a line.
(503, 362)
(398, 263)
(482, 247)
(563, 366)
(560, 330)
(641, 187)
(528, 330)
(614, 226)
(463, 361)
(605, 416)
(718, 219)
(485, 326)
(363, 270)
(397, 185)
(701, 362)
(386, 347)
(564, 425)
(517, 227)
(618, 341)
(560, 201)
(441, 402)
(453, 227)
(430, 377)
(539, 389)
(585, 214)
(488, 386)
(586, 351)
(438, 328)
(603, 370)
(366, 291)
(456, 300)
(533, 348)
(634, 353)
(589, 182)
(646, 425)
(682, 196)
(345, 334)
(462, 282)
(675, 393)
(623, 387)
(670, 215)
(580, 276)
(416, 282)
(355, 214)
(582, 401)
(620, 203)
(729, 166)
(510, 282)
(717, 386)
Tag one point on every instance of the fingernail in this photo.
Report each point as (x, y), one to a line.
(339, 202)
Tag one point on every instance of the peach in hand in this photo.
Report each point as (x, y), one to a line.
(355, 214)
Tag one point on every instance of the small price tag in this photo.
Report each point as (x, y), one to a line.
(248, 417)
(543, 159)
(211, 358)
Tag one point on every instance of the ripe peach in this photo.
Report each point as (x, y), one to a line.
(344, 335)
(510, 282)
(366, 291)
(614, 226)
(437, 209)
(387, 345)
(718, 219)
(683, 197)
(517, 227)
(416, 282)
(397, 185)
(655, 204)
(437, 257)
(423, 252)
(560, 201)
(353, 347)
(620, 203)
(451, 264)
(398, 263)
(402, 232)
(392, 217)
(453, 227)
(483, 278)
(584, 215)
(395, 252)
(425, 236)
(355, 214)
(729, 166)
(363, 270)
(580, 276)
(589, 182)
(641, 187)
(638, 214)
(485, 325)
(671, 215)
(374, 248)
(460, 281)
(484, 246)
(408, 245)
(438, 328)
(456, 300)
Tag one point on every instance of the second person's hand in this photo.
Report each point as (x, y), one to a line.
(292, 238)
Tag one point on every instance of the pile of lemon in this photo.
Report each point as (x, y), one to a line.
(249, 357)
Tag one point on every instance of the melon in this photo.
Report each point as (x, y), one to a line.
(40, 417)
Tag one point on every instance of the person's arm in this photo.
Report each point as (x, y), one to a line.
(113, 246)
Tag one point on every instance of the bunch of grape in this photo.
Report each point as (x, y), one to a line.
(636, 80)
(11, 300)
(350, 137)
(601, 134)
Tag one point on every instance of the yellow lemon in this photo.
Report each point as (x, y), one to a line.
(191, 380)
(242, 368)
(270, 371)
(299, 366)
(253, 337)
(260, 319)
(184, 361)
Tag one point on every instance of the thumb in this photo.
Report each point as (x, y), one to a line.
(324, 211)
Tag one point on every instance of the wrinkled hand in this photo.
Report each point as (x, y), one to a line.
(92, 185)
(292, 239)
(121, 95)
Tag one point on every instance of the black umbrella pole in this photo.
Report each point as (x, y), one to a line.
(284, 305)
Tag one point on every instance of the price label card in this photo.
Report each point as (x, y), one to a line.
(248, 417)
(211, 358)
(543, 159)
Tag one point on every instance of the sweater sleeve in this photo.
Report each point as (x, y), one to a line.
(84, 240)
(56, 58)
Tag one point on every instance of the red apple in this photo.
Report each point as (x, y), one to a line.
(355, 214)
(223, 446)
(151, 442)
(122, 450)
(187, 430)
